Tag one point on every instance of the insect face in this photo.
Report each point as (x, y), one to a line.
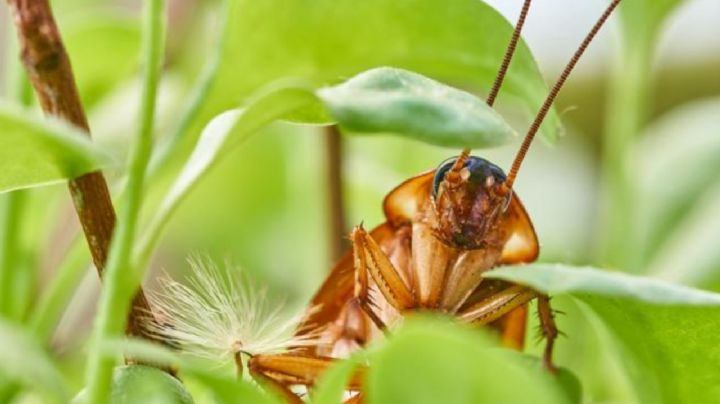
(468, 196)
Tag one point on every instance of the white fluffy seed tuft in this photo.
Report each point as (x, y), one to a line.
(216, 316)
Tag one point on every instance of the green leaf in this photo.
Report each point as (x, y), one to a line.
(405, 103)
(432, 361)
(331, 385)
(234, 391)
(566, 380)
(23, 360)
(327, 41)
(136, 383)
(679, 188)
(690, 255)
(667, 332)
(225, 389)
(223, 132)
(36, 151)
(104, 50)
(645, 17)
(379, 100)
(561, 279)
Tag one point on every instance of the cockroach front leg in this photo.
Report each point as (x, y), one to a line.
(370, 259)
(549, 330)
(503, 302)
(284, 370)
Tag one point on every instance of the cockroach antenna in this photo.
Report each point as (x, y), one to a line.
(509, 52)
(500, 76)
(553, 94)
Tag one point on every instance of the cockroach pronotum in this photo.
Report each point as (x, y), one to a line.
(444, 229)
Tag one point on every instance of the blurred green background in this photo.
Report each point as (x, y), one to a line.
(265, 207)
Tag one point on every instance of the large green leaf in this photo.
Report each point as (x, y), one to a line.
(223, 132)
(104, 51)
(437, 362)
(391, 100)
(327, 41)
(23, 360)
(36, 151)
(384, 100)
(667, 332)
(678, 189)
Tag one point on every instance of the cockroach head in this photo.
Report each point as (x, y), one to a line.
(469, 196)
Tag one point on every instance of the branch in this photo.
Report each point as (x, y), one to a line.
(49, 70)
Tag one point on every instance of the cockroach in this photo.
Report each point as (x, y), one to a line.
(444, 229)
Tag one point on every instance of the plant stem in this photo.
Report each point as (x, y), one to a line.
(56, 296)
(48, 67)
(335, 203)
(10, 212)
(120, 277)
(11, 204)
(70, 269)
(197, 97)
(626, 111)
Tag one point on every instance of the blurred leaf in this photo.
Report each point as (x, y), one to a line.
(331, 385)
(36, 151)
(667, 332)
(226, 390)
(383, 99)
(561, 279)
(327, 41)
(223, 132)
(566, 380)
(690, 254)
(678, 171)
(234, 391)
(137, 383)
(23, 360)
(642, 17)
(437, 362)
(402, 102)
(104, 50)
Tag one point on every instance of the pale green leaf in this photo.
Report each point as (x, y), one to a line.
(388, 100)
(223, 388)
(645, 17)
(137, 383)
(331, 385)
(561, 279)
(437, 362)
(234, 391)
(224, 132)
(23, 360)
(327, 41)
(36, 151)
(104, 50)
(667, 333)
(678, 189)
(382, 100)
(690, 255)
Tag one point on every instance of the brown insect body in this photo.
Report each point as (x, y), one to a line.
(439, 237)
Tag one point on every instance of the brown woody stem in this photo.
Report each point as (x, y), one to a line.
(49, 70)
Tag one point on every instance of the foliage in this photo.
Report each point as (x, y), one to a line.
(36, 152)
